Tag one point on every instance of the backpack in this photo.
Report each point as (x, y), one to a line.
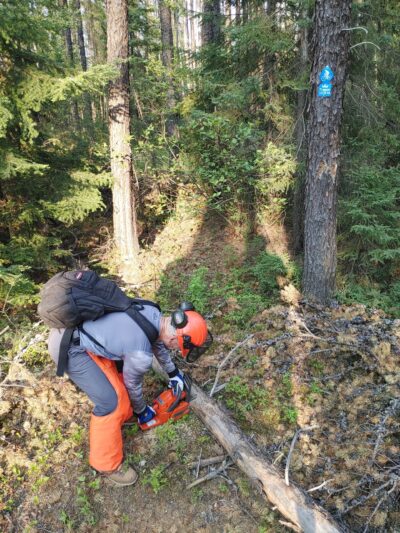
(70, 298)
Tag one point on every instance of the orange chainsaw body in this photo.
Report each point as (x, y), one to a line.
(167, 407)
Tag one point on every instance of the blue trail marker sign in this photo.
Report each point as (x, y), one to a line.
(324, 90)
(325, 86)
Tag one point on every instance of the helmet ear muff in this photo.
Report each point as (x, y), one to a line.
(179, 319)
(187, 306)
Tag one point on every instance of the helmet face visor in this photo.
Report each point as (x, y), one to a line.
(193, 351)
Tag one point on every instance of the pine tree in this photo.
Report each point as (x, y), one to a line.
(331, 43)
(124, 209)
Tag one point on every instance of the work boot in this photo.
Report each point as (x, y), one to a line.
(123, 476)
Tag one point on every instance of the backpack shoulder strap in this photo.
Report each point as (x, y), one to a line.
(139, 301)
(63, 353)
(149, 329)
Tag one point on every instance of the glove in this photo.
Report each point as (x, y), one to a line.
(176, 382)
(146, 415)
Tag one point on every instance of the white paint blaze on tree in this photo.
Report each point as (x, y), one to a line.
(124, 209)
(330, 47)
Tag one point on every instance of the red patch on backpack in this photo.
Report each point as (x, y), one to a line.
(79, 275)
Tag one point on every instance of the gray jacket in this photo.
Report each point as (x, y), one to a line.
(122, 339)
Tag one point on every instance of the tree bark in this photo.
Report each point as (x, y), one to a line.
(124, 208)
(211, 23)
(269, 59)
(83, 59)
(81, 38)
(68, 39)
(167, 54)
(70, 54)
(331, 46)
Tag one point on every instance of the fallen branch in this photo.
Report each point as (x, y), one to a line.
(313, 489)
(211, 475)
(198, 464)
(363, 499)
(225, 361)
(384, 497)
(389, 411)
(296, 436)
(207, 462)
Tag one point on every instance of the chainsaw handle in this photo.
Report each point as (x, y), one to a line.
(176, 402)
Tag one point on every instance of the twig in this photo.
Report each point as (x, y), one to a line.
(4, 330)
(390, 410)
(364, 42)
(320, 486)
(278, 457)
(211, 475)
(323, 350)
(208, 462)
(363, 499)
(198, 464)
(220, 387)
(296, 436)
(226, 359)
(356, 28)
(379, 504)
(289, 525)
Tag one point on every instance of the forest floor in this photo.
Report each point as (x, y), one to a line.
(329, 375)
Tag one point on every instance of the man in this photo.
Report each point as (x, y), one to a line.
(92, 355)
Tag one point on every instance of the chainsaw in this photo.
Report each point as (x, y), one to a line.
(170, 407)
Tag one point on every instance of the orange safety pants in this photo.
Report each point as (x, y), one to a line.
(105, 435)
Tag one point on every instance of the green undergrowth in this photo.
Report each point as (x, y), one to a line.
(371, 294)
(235, 293)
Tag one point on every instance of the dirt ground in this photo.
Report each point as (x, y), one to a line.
(52, 488)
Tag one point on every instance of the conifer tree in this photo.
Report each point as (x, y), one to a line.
(331, 44)
(124, 206)
(167, 54)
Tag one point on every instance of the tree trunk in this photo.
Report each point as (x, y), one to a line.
(82, 55)
(68, 39)
(300, 135)
(70, 54)
(124, 210)
(291, 501)
(167, 54)
(269, 58)
(81, 38)
(331, 46)
(211, 23)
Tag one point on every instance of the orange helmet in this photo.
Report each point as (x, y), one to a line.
(191, 329)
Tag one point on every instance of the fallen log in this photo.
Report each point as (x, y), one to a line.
(292, 502)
